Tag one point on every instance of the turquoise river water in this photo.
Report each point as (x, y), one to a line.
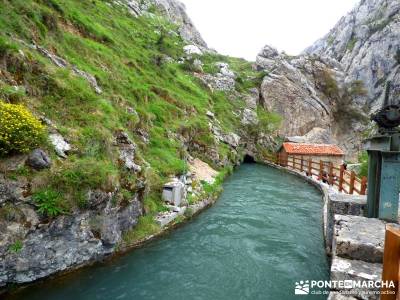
(263, 235)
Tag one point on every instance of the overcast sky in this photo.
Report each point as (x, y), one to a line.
(242, 28)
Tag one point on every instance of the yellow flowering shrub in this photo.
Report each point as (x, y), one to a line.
(20, 131)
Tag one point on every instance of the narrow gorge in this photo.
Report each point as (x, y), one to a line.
(108, 106)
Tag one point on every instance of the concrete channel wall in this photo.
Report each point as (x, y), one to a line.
(354, 243)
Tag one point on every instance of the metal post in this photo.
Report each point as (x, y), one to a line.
(389, 187)
(373, 188)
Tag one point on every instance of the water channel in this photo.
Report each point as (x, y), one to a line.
(263, 235)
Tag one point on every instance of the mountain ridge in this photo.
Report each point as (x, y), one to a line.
(365, 42)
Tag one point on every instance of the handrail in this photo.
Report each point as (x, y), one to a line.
(346, 181)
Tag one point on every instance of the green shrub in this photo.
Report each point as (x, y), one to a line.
(145, 227)
(153, 204)
(179, 219)
(357, 88)
(89, 29)
(210, 69)
(6, 47)
(215, 188)
(363, 159)
(188, 213)
(20, 131)
(345, 112)
(53, 4)
(85, 174)
(352, 43)
(50, 20)
(16, 247)
(379, 25)
(329, 84)
(268, 121)
(11, 93)
(330, 40)
(49, 203)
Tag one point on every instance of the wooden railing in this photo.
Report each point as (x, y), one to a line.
(391, 263)
(325, 171)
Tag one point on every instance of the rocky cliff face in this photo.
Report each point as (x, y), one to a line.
(290, 90)
(366, 43)
(314, 99)
(340, 79)
(67, 242)
(174, 11)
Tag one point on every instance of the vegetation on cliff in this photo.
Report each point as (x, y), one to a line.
(20, 131)
(88, 70)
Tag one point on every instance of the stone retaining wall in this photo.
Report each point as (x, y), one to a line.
(354, 243)
(335, 203)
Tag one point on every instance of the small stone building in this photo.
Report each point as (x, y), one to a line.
(317, 152)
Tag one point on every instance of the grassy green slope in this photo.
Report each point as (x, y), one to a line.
(128, 58)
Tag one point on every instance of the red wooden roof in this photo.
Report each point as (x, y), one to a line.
(312, 149)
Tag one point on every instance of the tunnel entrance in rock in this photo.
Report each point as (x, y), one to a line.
(248, 159)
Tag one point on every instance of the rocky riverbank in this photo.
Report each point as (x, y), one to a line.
(75, 244)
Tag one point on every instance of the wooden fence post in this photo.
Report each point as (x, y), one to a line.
(302, 164)
(310, 167)
(352, 181)
(331, 179)
(391, 259)
(321, 170)
(341, 175)
(293, 162)
(364, 181)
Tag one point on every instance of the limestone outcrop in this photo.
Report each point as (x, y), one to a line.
(365, 43)
(313, 98)
(173, 10)
(338, 80)
(288, 89)
(65, 243)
